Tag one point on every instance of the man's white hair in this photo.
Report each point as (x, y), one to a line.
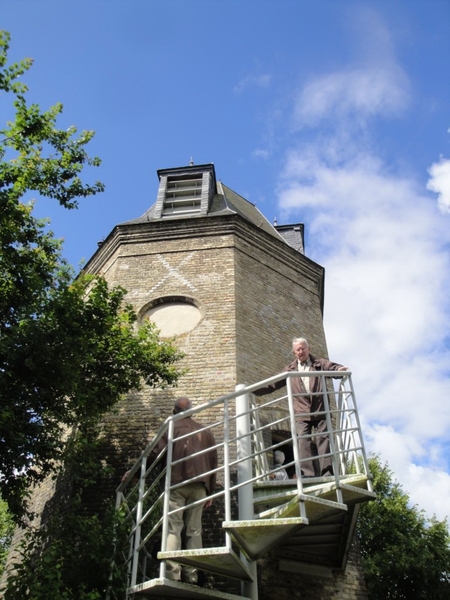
(300, 340)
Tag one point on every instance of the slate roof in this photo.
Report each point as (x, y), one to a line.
(227, 202)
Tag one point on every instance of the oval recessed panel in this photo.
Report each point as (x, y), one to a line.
(174, 318)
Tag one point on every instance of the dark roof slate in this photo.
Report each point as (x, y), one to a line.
(228, 202)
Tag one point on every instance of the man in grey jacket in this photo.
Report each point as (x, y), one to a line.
(307, 406)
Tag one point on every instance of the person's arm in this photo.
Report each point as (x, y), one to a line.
(272, 387)
(332, 366)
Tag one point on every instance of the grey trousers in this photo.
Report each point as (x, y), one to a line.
(185, 526)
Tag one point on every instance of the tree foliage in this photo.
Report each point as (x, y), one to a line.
(405, 556)
(70, 557)
(6, 531)
(42, 158)
(69, 348)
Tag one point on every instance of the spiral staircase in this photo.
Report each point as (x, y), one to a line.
(306, 523)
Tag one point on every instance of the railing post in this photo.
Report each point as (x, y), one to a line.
(330, 433)
(139, 511)
(245, 491)
(226, 469)
(166, 508)
(341, 425)
(360, 439)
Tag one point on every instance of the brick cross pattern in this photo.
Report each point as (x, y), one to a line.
(174, 272)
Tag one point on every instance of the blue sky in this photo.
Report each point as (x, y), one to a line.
(331, 113)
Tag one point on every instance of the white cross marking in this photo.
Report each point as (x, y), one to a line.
(172, 272)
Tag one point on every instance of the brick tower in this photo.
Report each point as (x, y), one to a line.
(233, 290)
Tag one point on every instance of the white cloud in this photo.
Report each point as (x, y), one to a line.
(440, 183)
(357, 93)
(260, 81)
(397, 449)
(430, 488)
(260, 153)
(427, 487)
(374, 84)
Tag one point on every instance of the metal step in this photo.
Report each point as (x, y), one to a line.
(222, 561)
(315, 508)
(265, 497)
(256, 537)
(161, 589)
(354, 495)
(354, 489)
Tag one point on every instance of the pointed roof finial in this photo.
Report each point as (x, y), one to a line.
(191, 162)
(275, 222)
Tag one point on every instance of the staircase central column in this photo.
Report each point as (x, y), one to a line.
(245, 492)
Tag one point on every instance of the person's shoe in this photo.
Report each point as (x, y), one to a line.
(189, 579)
(327, 473)
(200, 579)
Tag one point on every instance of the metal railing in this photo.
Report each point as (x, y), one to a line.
(244, 427)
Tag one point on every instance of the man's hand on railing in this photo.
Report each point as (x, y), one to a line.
(207, 504)
(125, 476)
